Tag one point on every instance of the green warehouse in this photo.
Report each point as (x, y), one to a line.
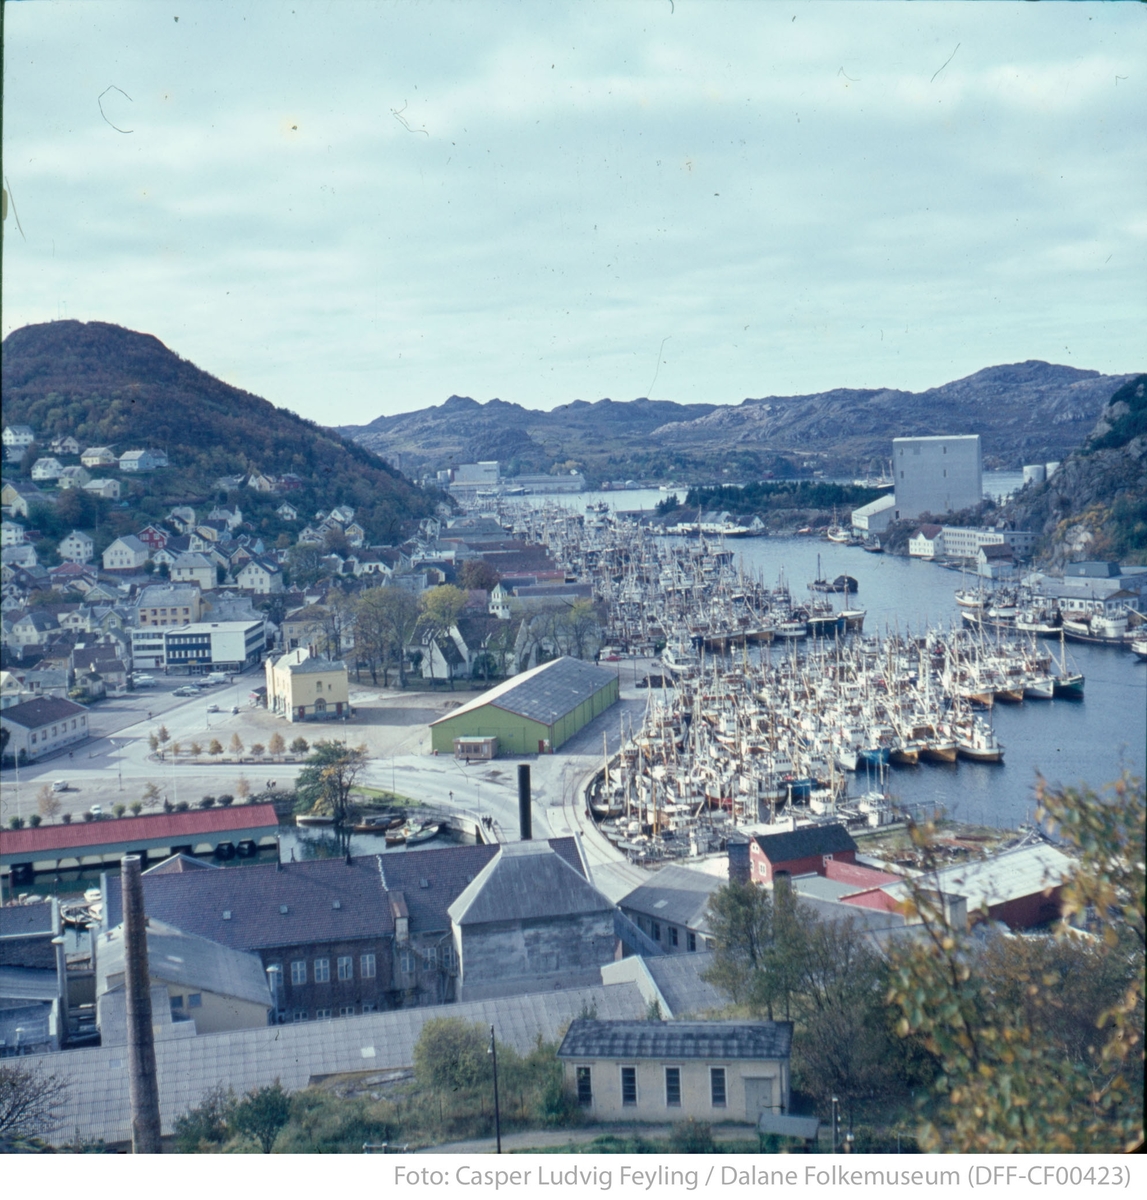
(533, 713)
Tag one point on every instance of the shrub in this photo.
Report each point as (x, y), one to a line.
(258, 749)
(691, 1137)
(136, 808)
(300, 746)
(196, 749)
(34, 820)
(89, 816)
(15, 822)
(207, 802)
(119, 809)
(66, 818)
(226, 800)
(182, 806)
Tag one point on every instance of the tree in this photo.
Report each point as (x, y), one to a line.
(451, 1056)
(338, 619)
(440, 609)
(206, 1126)
(1020, 1072)
(196, 749)
(384, 621)
(47, 802)
(236, 744)
(162, 736)
(477, 573)
(261, 1114)
(304, 565)
(242, 787)
(324, 784)
(276, 745)
(150, 796)
(176, 749)
(580, 630)
(299, 746)
(29, 1102)
(215, 747)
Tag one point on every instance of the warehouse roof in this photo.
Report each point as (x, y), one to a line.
(985, 882)
(545, 694)
(35, 714)
(806, 842)
(754, 1040)
(526, 881)
(675, 894)
(679, 979)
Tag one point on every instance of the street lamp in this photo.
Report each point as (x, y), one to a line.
(835, 1120)
(492, 1050)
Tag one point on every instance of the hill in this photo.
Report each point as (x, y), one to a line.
(106, 385)
(1026, 412)
(1095, 505)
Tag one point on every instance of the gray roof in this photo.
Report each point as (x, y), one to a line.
(315, 666)
(96, 1103)
(526, 881)
(544, 694)
(35, 714)
(27, 920)
(805, 842)
(28, 983)
(675, 894)
(758, 1041)
(678, 979)
(168, 593)
(194, 962)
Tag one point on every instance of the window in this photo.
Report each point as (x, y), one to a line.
(406, 962)
(369, 1006)
(656, 927)
(629, 1085)
(432, 957)
(717, 1086)
(584, 1086)
(322, 1014)
(322, 970)
(346, 967)
(300, 1014)
(195, 1000)
(673, 935)
(176, 1001)
(299, 971)
(691, 940)
(447, 957)
(346, 1010)
(366, 966)
(319, 686)
(673, 1087)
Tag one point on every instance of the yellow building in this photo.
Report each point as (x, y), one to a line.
(304, 687)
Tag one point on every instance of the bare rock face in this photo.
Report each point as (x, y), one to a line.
(1095, 505)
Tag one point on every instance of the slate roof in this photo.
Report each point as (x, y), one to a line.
(314, 666)
(195, 902)
(449, 870)
(178, 863)
(1013, 874)
(805, 843)
(544, 694)
(755, 1041)
(675, 894)
(26, 920)
(35, 714)
(96, 1102)
(678, 979)
(194, 962)
(526, 881)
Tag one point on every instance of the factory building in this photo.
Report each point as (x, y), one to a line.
(532, 713)
(936, 475)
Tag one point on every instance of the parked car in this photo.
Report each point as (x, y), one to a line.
(213, 708)
(234, 710)
(96, 810)
(143, 680)
(186, 690)
(60, 785)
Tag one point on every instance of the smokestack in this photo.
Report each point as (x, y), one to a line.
(143, 1081)
(524, 822)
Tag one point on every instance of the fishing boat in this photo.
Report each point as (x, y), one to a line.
(429, 830)
(378, 823)
(977, 741)
(1096, 628)
(872, 544)
(1139, 648)
(314, 820)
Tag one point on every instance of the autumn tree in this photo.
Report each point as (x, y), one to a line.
(236, 744)
(477, 573)
(324, 784)
(47, 802)
(440, 609)
(276, 745)
(385, 621)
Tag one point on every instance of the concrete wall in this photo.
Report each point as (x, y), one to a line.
(499, 951)
(936, 475)
(742, 1098)
(215, 1013)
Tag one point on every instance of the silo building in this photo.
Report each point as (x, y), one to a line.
(936, 475)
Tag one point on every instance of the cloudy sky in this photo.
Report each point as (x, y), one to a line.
(355, 209)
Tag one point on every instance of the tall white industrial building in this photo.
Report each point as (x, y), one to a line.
(936, 475)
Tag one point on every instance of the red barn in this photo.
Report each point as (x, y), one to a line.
(799, 851)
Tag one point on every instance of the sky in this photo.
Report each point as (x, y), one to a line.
(358, 209)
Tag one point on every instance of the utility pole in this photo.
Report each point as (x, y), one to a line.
(497, 1115)
(143, 1080)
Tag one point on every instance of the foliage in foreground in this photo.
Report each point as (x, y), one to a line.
(1040, 1042)
(29, 1102)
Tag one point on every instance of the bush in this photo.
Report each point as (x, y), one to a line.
(300, 746)
(691, 1137)
(226, 800)
(15, 822)
(89, 816)
(207, 802)
(182, 806)
(34, 820)
(136, 807)
(258, 749)
(119, 809)
(66, 818)
(204, 1128)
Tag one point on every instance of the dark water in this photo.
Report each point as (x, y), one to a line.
(1067, 741)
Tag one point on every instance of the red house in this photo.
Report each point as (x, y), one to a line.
(799, 852)
(153, 537)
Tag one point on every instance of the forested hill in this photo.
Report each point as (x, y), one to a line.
(106, 385)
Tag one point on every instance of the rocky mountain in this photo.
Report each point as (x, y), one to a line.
(1095, 505)
(106, 385)
(1026, 412)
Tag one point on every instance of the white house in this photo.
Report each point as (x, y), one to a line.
(98, 456)
(126, 553)
(77, 547)
(17, 439)
(64, 445)
(71, 477)
(46, 470)
(105, 489)
(261, 577)
(194, 568)
(22, 554)
(13, 533)
(142, 460)
(926, 542)
(287, 512)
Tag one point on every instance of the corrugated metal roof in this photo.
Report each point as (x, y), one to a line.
(96, 1103)
(678, 979)
(544, 694)
(985, 882)
(28, 983)
(714, 1040)
(526, 881)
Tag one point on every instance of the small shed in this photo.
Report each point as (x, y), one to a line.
(482, 748)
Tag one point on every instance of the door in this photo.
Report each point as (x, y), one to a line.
(758, 1098)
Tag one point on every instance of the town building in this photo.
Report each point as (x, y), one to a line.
(71, 477)
(876, 516)
(532, 713)
(33, 980)
(17, 439)
(206, 646)
(936, 475)
(672, 909)
(40, 727)
(725, 1071)
(77, 547)
(305, 687)
(189, 568)
(164, 604)
(260, 576)
(103, 489)
(99, 456)
(46, 470)
(126, 553)
(927, 542)
(142, 460)
(795, 852)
